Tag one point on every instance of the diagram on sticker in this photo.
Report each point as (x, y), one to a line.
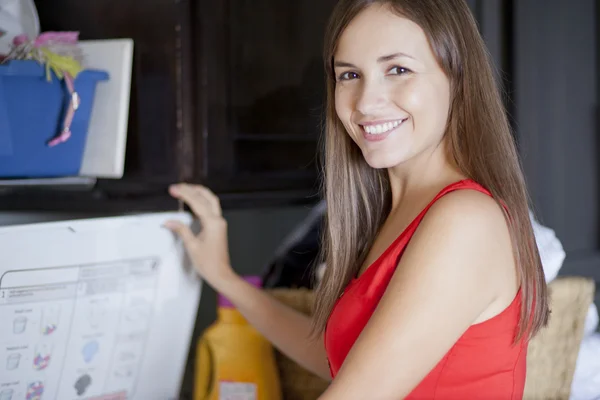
(82, 384)
(42, 356)
(97, 314)
(139, 311)
(89, 350)
(124, 371)
(50, 319)
(19, 325)
(35, 390)
(79, 332)
(6, 394)
(12, 362)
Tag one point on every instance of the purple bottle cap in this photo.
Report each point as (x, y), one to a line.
(222, 301)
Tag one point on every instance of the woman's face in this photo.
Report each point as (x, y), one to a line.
(391, 95)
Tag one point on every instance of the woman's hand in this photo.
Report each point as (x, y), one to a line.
(208, 251)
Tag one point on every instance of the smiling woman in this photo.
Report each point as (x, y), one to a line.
(382, 93)
(433, 284)
(415, 118)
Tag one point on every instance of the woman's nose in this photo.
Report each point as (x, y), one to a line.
(371, 97)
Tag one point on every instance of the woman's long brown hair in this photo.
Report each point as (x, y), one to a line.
(479, 141)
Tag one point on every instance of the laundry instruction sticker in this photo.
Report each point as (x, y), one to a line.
(237, 391)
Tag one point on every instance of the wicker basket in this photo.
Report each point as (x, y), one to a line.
(296, 382)
(551, 356)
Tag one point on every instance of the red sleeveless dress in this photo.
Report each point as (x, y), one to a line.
(483, 364)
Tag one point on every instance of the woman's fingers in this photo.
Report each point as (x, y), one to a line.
(212, 199)
(197, 201)
(183, 231)
(208, 250)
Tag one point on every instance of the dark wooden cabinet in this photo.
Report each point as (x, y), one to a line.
(261, 86)
(160, 116)
(228, 93)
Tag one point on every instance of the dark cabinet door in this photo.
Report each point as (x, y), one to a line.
(261, 81)
(160, 111)
(228, 93)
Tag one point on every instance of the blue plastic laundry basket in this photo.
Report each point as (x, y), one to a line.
(31, 113)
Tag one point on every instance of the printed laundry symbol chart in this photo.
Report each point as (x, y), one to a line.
(35, 390)
(89, 350)
(6, 394)
(50, 317)
(12, 362)
(42, 355)
(82, 384)
(19, 325)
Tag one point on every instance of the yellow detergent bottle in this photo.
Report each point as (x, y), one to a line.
(233, 360)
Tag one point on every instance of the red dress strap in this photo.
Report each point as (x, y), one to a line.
(386, 263)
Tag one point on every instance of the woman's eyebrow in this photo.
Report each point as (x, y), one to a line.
(340, 63)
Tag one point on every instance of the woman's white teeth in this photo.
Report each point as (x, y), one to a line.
(381, 128)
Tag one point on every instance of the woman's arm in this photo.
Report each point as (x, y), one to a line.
(454, 268)
(285, 327)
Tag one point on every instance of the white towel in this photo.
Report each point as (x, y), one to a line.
(550, 248)
(17, 17)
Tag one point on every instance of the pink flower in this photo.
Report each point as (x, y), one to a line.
(48, 38)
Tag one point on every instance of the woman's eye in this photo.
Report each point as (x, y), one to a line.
(399, 70)
(346, 76)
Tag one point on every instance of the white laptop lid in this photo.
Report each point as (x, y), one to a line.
(95, 309)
